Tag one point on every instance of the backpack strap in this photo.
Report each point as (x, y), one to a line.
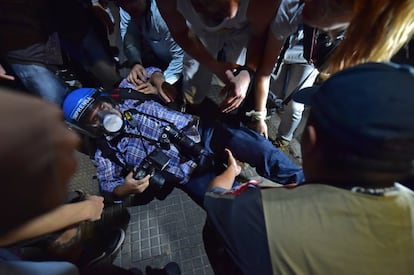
(309, 43)
(121, 94)
(110, 153)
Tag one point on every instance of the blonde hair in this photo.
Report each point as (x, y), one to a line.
(378, 29)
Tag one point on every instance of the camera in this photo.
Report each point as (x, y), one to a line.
(186, 146)
(152, 165)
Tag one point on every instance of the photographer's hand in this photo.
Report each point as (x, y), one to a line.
(132, 186)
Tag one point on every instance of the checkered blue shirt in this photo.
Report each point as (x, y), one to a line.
(132, 150)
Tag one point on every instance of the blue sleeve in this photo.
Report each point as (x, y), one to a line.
(176, 54)
(131, 37)
(175, 67)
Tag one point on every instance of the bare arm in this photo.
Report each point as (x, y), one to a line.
(226, 179)
(262, 84)
(259, 15)
(188, 41)
(57, 219)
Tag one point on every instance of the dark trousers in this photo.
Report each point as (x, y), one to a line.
(247, 146)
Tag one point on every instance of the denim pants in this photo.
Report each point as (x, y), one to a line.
(11, 264)
(246, 146)
(41, 81)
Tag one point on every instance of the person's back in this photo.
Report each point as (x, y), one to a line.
(332, 230)
(350, 216)
(351, 213)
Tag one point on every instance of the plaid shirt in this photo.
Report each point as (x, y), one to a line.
(152, 117)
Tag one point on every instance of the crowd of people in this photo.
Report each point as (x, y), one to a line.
(164, 125)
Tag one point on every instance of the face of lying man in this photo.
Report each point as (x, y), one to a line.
(104, 116)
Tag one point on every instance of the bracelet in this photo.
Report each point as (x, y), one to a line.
(257, 115)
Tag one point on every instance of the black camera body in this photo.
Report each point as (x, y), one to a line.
(152, 165)
(186, 146)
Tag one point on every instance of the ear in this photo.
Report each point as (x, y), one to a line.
(309, 139)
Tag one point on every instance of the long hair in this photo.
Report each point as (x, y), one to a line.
(378, 29)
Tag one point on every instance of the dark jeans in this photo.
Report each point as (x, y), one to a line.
(247, 146)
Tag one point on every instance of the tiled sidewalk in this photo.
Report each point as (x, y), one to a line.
(159, 232)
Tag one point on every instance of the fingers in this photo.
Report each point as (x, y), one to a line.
(168, 92)
(6, 77)
(229, 153)
(235, 91)
(260, 127)
(97, 207)
(230, 157)
(231, 103)
(232, 162)
(137, 75)
(165, 97)
(143, 186)
(147, 88)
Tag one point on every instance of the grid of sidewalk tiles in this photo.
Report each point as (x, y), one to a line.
(164, 231)
(159, 232)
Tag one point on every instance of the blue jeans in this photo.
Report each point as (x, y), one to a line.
(11, 264)
(41, 81)
(247, 146)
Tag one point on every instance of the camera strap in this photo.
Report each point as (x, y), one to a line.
(111, 154)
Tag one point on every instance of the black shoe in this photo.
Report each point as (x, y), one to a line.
(113, 216)
(172, 268)
(102, 249)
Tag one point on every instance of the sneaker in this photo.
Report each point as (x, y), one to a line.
(282, 144)
(172, 268)
(102, 249)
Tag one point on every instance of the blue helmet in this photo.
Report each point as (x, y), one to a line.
(77, 103)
